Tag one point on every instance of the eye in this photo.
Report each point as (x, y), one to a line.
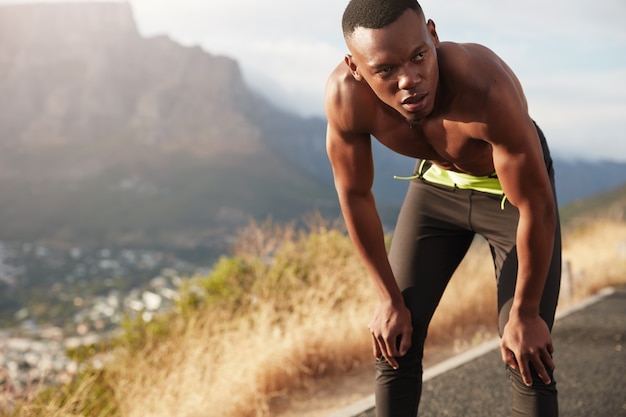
(419, 57)
(384, 71)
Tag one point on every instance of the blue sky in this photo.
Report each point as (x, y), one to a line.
(569, 55)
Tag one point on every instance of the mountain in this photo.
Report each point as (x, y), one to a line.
(111, 138)
(106, 136)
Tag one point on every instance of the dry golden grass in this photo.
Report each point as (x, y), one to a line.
(227, 363)
(594, 257)
(233, 367)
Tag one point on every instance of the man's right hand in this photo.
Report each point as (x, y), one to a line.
(391, 331)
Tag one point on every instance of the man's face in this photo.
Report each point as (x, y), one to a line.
(399, 63)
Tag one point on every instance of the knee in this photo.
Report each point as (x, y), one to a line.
(409, 367)
(537, 400)
(407, 376)
(538, 385)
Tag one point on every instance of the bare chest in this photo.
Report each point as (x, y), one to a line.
(452, 145)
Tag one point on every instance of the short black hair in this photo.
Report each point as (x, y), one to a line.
(374, 14)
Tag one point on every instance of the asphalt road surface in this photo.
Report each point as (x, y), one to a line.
(590, 360)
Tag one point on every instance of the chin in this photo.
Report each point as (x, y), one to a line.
(419, 115)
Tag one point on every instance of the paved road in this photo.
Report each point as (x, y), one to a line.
(590, 357)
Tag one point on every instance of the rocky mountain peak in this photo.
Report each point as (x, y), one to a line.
(80, 73)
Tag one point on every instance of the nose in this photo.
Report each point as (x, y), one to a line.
(408, 78)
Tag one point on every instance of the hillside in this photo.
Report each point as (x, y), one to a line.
(108, 137)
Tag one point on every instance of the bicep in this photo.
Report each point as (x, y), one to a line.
(351, 159)
(522, 172)
(348, 142)
(517, 153)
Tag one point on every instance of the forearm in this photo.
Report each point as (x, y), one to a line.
(535, 242)
(391, 326)
(365, 229)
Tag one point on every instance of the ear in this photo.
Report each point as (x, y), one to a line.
(433, 32)
(353, 68)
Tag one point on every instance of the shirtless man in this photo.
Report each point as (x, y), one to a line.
(483, 167)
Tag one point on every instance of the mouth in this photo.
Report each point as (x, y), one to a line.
(415, 102)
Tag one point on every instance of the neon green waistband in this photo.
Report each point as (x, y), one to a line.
(486, 184)
(436, 175)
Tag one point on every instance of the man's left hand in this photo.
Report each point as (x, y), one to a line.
(525, 341)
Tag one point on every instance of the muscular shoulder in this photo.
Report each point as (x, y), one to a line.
(471, 59)
(349, 104)
(477, 72)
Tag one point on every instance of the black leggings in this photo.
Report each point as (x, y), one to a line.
(434, 231)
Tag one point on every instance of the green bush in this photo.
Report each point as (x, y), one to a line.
(229, 286)
(138, 333)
